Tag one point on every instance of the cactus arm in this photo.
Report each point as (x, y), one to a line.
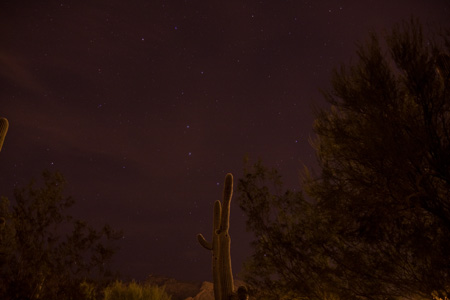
(216, 217)
(227, 194)
(203, 242)
(216, 224)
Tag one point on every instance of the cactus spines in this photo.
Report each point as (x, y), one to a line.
(220, 247)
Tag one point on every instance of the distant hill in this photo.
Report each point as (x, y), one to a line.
(181, 290)
(206, 292)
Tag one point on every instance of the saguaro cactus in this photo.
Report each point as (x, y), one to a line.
(220, 247)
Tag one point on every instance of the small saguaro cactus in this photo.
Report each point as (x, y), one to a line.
(220, 247)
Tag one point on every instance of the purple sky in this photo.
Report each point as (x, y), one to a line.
(144, 106)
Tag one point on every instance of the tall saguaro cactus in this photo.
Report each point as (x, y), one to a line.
(220, 247)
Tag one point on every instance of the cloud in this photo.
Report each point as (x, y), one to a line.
(15, 70)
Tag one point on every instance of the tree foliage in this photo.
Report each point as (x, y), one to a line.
(377, 221)
(46, 253)
(283, 223)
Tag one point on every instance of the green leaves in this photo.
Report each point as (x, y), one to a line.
(377, 221)
(49, 252)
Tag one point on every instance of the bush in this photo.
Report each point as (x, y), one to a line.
(135, 291)
(88, 290)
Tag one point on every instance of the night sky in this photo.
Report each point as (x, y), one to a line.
(144, 106)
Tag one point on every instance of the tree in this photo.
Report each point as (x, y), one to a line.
(376, 222)
(286, 255)
(46, 253)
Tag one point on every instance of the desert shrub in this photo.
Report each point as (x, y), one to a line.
(88, 290)
(134, 291)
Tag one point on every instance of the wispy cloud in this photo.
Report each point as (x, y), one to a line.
(15, 69)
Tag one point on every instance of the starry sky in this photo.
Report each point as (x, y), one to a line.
(144, 106)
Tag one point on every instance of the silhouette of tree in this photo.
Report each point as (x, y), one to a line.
(46, 253)
(377, 225)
